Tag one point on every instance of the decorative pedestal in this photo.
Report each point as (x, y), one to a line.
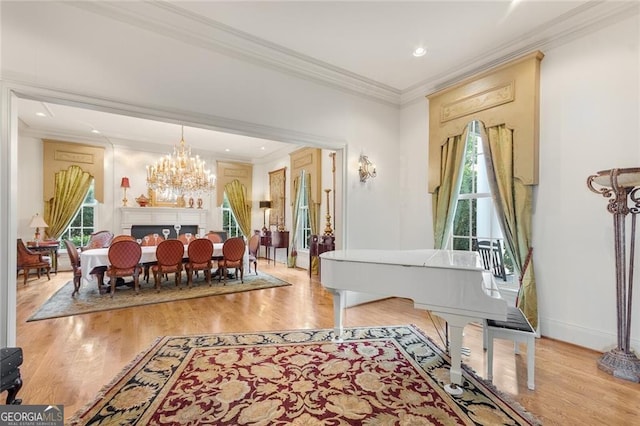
(618, 185)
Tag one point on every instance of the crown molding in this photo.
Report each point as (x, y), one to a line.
(172, 21)
(158, 113)
(588, 18)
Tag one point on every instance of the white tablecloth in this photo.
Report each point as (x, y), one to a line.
(90, 259)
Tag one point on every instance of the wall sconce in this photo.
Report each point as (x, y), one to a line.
(367, 169)
(124, 184)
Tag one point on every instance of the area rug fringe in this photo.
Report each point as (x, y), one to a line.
(123, 372)
(508, 399)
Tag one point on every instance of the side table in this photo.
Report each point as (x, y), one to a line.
(50, 247)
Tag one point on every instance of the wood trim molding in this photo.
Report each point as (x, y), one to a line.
(508, 95)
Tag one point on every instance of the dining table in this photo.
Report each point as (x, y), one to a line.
(94, 262)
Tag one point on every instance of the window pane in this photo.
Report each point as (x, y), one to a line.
(462, 220)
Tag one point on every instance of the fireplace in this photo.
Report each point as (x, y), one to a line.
(139, 231)
(141, 221)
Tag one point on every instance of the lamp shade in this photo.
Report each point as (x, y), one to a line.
(125, 183)
(38, 222)
(265, 204)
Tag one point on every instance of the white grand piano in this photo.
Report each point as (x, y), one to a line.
(451, 284)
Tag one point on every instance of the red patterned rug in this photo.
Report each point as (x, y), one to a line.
(376, 376)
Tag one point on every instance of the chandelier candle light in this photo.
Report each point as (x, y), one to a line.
(180, 173)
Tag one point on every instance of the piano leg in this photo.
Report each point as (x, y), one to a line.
(338, 311)
(456, 327)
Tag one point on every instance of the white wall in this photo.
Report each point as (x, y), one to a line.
(589, 121)
(416, 229)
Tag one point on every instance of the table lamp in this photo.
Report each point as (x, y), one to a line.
(124, 184)
(264, 205)
(37, 222)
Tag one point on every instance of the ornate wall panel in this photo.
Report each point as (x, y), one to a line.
(227, 172)
(58, 155)
(310, 160)
(508, 94)
(277, 186)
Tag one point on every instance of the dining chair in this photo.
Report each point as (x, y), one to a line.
(74, 259)
(169, 256)
(149, 240)
(122, 237)
(199, 259)
(184, 240)
(124, 261)
(100, 239)
(214, 237)
(27, 260)
(254, 247)
(232, 257)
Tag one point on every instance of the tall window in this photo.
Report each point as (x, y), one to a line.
(229, 222)
(304, 224)
(475, 217)
(82, 225)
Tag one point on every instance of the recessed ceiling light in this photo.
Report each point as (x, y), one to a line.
(227, 150)
(41, 114)
(419, 51)
(262, 148)
(97, 132)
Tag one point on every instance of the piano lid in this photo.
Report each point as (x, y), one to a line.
(430, 258)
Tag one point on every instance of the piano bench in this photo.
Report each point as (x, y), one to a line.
(518, 329)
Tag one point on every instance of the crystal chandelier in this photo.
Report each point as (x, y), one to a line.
(180, 174)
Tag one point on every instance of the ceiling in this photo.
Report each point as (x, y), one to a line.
(367, 42)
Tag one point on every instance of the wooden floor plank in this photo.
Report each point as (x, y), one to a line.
(68, 360)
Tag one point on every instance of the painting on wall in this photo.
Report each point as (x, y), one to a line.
(277, 194)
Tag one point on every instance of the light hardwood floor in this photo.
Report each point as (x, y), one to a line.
(68, 360)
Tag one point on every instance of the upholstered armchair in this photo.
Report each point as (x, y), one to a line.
(28, 260)
(232, 257)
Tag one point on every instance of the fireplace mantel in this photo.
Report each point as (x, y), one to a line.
(130, 216)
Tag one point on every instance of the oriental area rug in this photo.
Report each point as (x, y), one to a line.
(373, 376)
(61, 304)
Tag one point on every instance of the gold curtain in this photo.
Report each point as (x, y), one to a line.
(300, 184)
(444, 197)
(237, 196)
(70, 189)
(512, 199)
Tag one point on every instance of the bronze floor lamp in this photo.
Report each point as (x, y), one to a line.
(621, 186)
